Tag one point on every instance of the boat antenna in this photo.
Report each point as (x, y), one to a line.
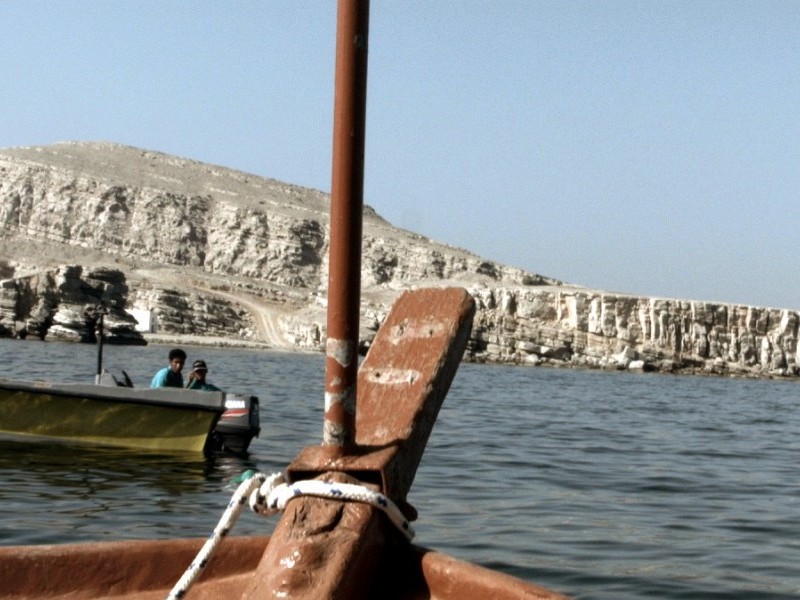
(99, 313)
(347, 191)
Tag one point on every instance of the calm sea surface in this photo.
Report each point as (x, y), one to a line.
(600, 485)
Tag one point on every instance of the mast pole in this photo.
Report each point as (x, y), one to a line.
(322, 547)
(347, 191)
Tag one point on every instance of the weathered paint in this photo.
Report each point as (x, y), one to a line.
(341, 351)
(390, 376)
(339, 410)
(421, 327)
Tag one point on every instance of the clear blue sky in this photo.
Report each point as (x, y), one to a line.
(644, 147)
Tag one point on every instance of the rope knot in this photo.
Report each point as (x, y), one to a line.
(269, 494)
(274, 493)
(260, 498)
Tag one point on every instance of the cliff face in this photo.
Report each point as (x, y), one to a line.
(66, 305)
(152, 216)
(216, 252)
(615, 331)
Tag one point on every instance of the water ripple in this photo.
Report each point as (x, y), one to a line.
(602, 485)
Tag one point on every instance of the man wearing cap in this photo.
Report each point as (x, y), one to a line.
(197, 378)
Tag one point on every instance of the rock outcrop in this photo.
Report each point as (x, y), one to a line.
(596, 329)
(216, 252)
(66, 305)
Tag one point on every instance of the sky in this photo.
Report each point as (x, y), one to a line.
(648, 147)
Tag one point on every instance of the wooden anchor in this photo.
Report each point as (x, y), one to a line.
(325, 548)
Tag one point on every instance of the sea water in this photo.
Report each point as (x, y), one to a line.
(596, 484)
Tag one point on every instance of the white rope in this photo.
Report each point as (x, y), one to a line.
(274, 494)
(222, 529)
(270, 494)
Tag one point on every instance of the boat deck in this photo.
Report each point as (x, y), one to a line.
(147, 570)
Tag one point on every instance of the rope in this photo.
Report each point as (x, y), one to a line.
(274, 494)
(222, 529)
(269, 495)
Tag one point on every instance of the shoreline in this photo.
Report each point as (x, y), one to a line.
(180, 339)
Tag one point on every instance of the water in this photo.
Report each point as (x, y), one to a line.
(600, 485)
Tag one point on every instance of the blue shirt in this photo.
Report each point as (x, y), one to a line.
(166, 377)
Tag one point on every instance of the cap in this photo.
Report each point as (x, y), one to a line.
(199, 365)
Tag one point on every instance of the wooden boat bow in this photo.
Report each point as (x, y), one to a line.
(325, 548)
(378, 418)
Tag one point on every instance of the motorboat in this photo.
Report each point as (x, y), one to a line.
(238, 424)
(110, 414)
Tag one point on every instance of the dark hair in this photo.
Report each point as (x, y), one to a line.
(177, 353)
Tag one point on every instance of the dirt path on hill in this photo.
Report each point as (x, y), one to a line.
(265, 314)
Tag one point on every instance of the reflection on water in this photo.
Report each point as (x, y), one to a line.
(107, 468)
(602, 485)
(59, 493)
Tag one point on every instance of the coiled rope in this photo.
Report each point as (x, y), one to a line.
(269, 495)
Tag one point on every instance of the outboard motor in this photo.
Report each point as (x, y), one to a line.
(238, 425)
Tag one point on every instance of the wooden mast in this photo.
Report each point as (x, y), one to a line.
(347, 202)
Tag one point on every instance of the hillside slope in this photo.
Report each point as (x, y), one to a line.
(220, 253)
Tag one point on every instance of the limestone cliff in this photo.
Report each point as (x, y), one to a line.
(597, 329)
(216, 252)
(65, 304)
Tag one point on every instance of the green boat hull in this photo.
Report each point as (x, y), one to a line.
(167, 419)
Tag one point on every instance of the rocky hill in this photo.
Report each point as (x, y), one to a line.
(226, 255)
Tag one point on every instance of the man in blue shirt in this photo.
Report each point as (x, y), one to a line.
(171, 376)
